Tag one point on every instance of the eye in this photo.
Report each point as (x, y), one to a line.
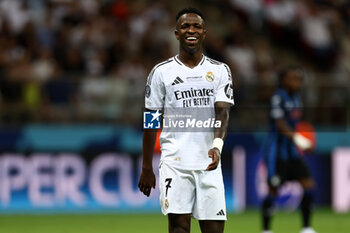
(185, 25)
(197, 25)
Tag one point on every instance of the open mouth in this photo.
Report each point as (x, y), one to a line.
(191, 39)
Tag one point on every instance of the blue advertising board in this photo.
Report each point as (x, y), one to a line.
(96, 169)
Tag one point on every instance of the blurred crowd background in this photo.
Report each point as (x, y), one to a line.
(88, 60)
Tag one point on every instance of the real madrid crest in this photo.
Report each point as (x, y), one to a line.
(166, 204)
(210, 76)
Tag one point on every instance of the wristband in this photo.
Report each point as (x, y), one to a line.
(218, 143)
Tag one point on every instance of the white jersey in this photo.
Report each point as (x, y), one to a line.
(174, 86)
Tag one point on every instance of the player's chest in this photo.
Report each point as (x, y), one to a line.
(191, 89)
(182, 78)
(293, 109)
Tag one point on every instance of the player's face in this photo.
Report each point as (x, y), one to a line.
(294, 80)
(190, 32)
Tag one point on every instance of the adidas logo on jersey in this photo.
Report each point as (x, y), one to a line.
(177, 81)
(221, 213)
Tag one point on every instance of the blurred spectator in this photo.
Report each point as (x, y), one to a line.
(16, 12)
(242, 60)
(45, 33)
(59, 97)
(281, 12)
(91, 7)
(316, 35)
(215, 47)
(251, 10)
(133, 69)
(43, 66)
(108, 98)
(345, 8)
(93, 95)
(345, 59)
(72, 61)
(282, 17)
(266, 68)
(265, 60)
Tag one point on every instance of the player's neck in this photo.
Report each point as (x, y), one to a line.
(190, 60)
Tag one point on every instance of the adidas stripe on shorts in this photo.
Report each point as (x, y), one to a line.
(199, 192)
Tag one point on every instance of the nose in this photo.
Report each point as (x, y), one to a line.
(191, 29)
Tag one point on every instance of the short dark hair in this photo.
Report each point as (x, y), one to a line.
(283, 73)
(187, 11)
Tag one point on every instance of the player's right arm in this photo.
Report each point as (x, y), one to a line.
(154, 100)
(147, 178)
(284, 128)
(277, 113)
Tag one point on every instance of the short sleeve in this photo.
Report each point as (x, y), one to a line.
(277, 111)
(224, 92)
(154, 91)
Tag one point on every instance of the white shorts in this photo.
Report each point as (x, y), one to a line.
(200, 193)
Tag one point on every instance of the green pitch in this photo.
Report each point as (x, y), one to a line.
(248, 222)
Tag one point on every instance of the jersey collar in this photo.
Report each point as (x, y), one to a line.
(176, 58)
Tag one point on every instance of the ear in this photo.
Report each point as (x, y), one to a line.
(204, 33)
(176, 34)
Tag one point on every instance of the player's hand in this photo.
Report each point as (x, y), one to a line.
(214, 154)
(302, 142)
(147, 181)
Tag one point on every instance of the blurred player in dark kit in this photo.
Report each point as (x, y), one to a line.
(282, 152)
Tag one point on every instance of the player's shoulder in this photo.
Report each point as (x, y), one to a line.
(282, 93)
(213, 62)
(278, 96)
(164, 65)
(217, 64)
(160, 68)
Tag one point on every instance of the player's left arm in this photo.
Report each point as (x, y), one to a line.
(222, 113)
(223, 102)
